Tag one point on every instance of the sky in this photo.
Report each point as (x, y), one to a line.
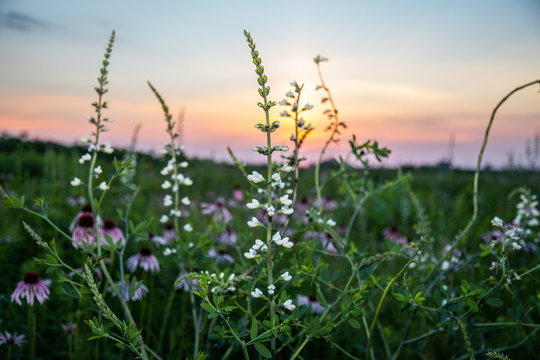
(410, 74)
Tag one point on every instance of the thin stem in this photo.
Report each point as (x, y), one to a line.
(195, 324)
(304, 343)
(32, 331)
(166, 314)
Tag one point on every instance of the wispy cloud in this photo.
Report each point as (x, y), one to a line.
(21, 22)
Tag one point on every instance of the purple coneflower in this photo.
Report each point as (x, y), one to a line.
(392, 234)
(111, 229)
(228, 237)
(238, 194)
(85, 210)
(218, 209)
(169, 233)
(84, 232)
(31, 287)
(328, 244)
(157, 240)
(7, 338)
(311, 301)
(221, 256)
(133, 290)
(144, 259)
(69, 328)
(188, 284)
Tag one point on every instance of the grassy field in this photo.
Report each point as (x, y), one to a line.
(432, 328)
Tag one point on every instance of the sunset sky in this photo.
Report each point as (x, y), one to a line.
(410, 74)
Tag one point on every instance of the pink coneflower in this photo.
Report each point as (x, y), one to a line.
(228, 237)
(238, 194)
(85, 210)
(7, 338)
(113, 231)
(169, 233)
(218, 209)
(221, 256)
(187, 284)
(69, 328)
(84, 232)
(157, 240)
(311, 301)
(392, 234)
(31, 287)
(328, 244)
(144, 259)
(133, 290)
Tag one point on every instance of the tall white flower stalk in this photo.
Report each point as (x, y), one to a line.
(174, 178)
(270, 187)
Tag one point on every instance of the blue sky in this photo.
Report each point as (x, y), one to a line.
(408, 73)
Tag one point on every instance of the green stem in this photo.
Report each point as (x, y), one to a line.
(195, 324)
(165, 318)
(32, 331)
(304, 343)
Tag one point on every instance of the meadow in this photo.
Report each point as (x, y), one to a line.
(111, 253)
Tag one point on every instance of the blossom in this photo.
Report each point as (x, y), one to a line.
(166, 184)
(285, 276)
(113, 231)
(228, 237)
(76, 181)
(31, 287)
(103, 186)
(188, 227)
(98, 170)
(254, 222)
(69, 328)
(7, 338)
(84, 232)
(167, 200)
(86, 157)
(392, 234)
(218, 209)
(284, 200)
(186, 284)
(169, 233)
(163, 219)
(289, 305)
(221, 256)
(311, 301)
(132, 290)
(497, 222)
(144, 259)
(159, 240)
(271, 289)
(238, 194)
(255, 177)
(254, 204)
(257, 293)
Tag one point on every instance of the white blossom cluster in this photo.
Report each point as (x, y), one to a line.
(172, 183)
(512, 234)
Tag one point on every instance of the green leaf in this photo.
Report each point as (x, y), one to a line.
(254, 329)
(208, 307)
(496, 302)
(400, 297)
(261, 349)
(472, 304)
(354, 323)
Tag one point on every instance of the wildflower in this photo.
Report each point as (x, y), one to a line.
(7, 338)
(169, 233)
(289, 305)
(285, 276)
(285, 210)
(251, 254)
(259, 244)
(169, 251)
(76, 181)
(255, 177)
(111, 229)
(167, 200)
(144, 259)
(257, 293)
(166, 184)
(176, 213)
(188, 228)
(270, 210)
(228, 237)
(103, 186)
(392, 234)
(69, 328)
(98, 170)
(132, 290)
(516, 246)
(158, 240)
(330, 222)
(284, 200)
(254, 204)
(185, 200)
(163, 219)
(31, 287)
(221, 256)
(107, 148)
(254, 222)
(238, 194)
(86, 157)
(187, 284)
(84, 232)
(328, 245)
(497, 222)
(218, 209)
(311, 301)
(271, 289)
